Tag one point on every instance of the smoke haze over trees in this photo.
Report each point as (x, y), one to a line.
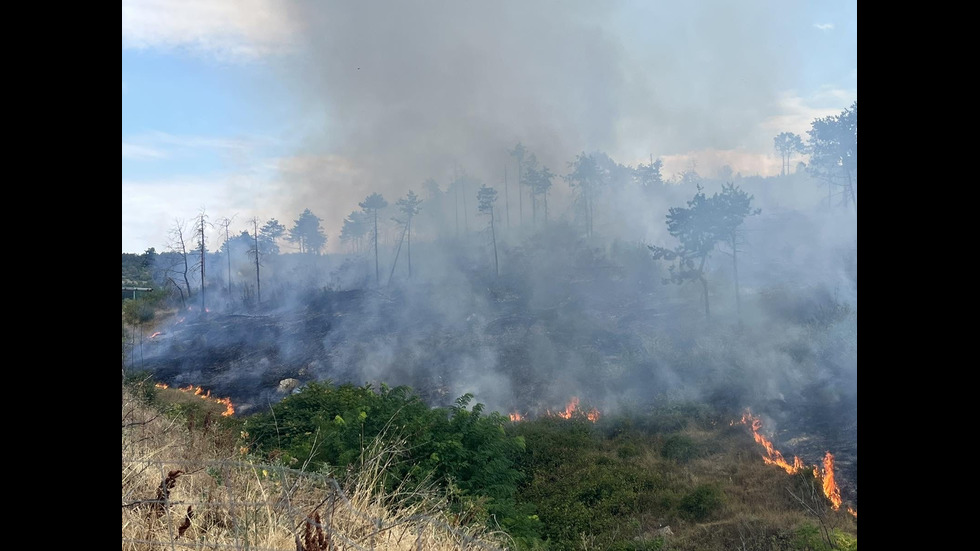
(377, 98)
(571, 306)
(540, 152)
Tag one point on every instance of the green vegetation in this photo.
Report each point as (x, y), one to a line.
(671, 478)
(326, 426)
(137, 268)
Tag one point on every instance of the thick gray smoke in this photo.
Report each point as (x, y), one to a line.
(569, 316)
(399, 92)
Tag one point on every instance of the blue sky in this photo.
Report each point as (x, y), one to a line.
(261, 108)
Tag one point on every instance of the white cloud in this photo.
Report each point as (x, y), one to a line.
(230, 30)
(190, 141)
(159, 145)
(797, 113)
(151, 207)
(824, 26)
(141, 152)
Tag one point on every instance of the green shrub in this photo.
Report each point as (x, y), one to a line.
(843, 541)
(809, 537)
(468, 451)
(680, 448)
(627, 450)
(640, 545)
(701, 503)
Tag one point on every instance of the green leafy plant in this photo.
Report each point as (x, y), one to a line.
(701, 503)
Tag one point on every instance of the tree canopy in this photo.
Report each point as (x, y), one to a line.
(269, 235)
(786, 144)
(699, 227)
(308, 233)
(373, 203)
(833, 152)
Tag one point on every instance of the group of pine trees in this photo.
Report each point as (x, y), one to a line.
(706, 222)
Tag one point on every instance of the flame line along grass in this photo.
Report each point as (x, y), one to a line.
(570, 410)
(774, 457)
(205, 395)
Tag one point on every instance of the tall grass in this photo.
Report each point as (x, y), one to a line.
(189, 483)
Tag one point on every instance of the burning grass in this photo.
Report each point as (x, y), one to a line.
(672, 482)
(685, 478)
(824, 472)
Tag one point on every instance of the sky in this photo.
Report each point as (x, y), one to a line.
(259, 109)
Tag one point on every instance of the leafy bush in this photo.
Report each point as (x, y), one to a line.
(327, 427)
(701, 503)
(680, 448)
(809, 537)
(639, 545)
(627, 450)
(674, 417)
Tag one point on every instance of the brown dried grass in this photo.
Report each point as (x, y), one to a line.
(187, 488)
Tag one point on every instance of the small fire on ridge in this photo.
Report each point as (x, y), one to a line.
(206, 395)
(571, 409)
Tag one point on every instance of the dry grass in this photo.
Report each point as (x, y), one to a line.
(191, 487)
(763, 505)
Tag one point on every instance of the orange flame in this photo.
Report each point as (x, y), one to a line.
(830, 488)
(206, 395)
(571, 408)
(154, 334)
(773, 457)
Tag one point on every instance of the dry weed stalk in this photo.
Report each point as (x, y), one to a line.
(314, 539)
(187, 521)
(163, 491)
(231, 503)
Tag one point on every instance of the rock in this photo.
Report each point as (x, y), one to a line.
(287, 385)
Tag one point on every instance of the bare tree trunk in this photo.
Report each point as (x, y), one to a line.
(704, 287)
(506, 198)
(398, 250)
(534, 207)
(493, 236)
(738, 302)
(520, 193)
(227, 222)
(466, 219)
(258, 282)
(183, 302)
(377, 269)
(203, 254)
